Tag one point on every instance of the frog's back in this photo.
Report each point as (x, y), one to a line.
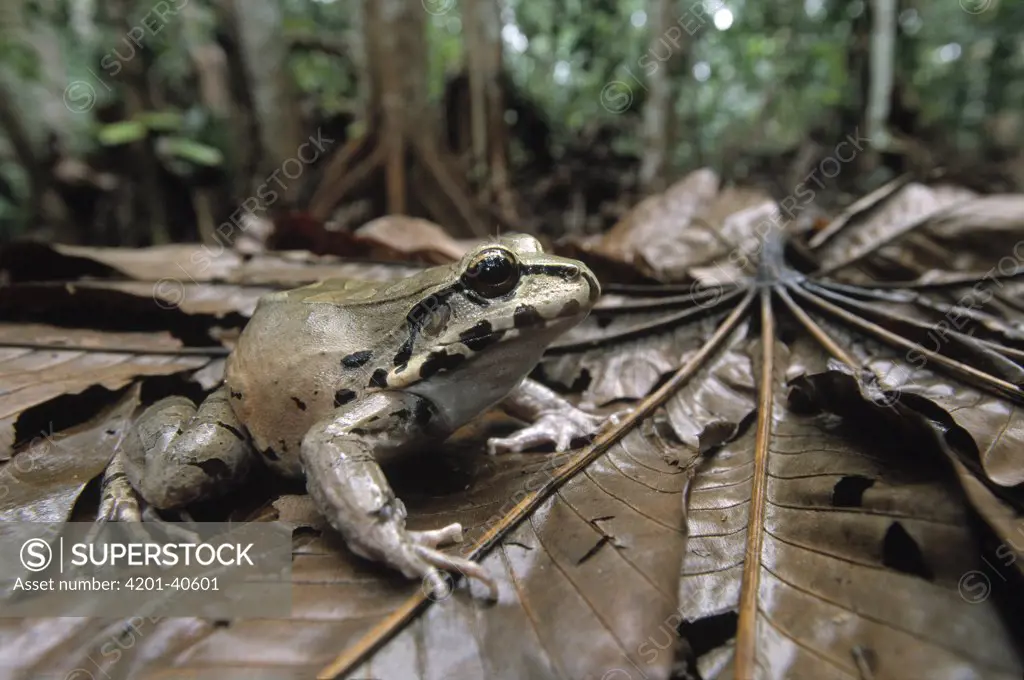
(300, 357)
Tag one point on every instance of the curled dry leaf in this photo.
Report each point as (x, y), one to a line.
(409, 238)
(32, 374)
(661, 235)
(45, 477)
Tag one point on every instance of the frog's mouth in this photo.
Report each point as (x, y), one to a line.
(524, 320)
(527, 326)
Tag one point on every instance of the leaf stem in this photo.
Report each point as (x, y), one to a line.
(746, 629)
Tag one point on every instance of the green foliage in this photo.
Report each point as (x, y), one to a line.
(122, 132)
(444, 40)
(327, 79)
(780, 68)
(19, 58)
(189, 150)
(179, 153)
(759, 84)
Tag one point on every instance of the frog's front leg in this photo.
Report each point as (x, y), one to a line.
(341, 458)
(179, 455)
(553, 418)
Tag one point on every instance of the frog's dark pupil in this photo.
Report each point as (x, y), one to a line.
(494, 270)
(493, 274)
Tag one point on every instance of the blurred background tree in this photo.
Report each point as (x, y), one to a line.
(130, 123)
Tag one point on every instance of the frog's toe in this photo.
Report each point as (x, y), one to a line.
(440, 587)
(174, 530)
(559, 428)
(438, 537)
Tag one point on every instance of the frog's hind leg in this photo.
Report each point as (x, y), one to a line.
(177, 455)
(341, 455)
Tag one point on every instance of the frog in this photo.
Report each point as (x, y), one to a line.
(331, 381)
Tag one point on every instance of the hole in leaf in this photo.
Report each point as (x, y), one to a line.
(901, 552)
(849, 491)
(709, 633)
(582, 382)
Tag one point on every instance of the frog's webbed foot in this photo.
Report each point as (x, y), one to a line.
(340, 458)
(554, 420)
(559, 428)
(415, 554)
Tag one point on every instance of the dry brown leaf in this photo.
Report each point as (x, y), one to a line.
(45, 477)
(661, 234)
(30, 377)
(409, 238)
(829, 544)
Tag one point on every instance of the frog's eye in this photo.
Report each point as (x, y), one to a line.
(492, 273)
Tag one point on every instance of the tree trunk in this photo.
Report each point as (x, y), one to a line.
(148, 204)
(482, 31)
(402, 136)
(263, 49)
(883, 50)
(211, 67)
(658, 108)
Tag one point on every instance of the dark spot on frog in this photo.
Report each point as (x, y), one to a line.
(213, 467)
(298, 402)
(571, 308)
(480, 336)
(401, 414)
(356, 359)
(379, 378)
(284, 446)
(111, 432)
(562, 271)
(269, 454)
(403, 355)
(342, 397)
(423, 414)
(526, 316)
(440, 361)
(232, 430)
(236, 395)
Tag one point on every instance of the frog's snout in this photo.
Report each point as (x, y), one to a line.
(575, 269)
(595, 287)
